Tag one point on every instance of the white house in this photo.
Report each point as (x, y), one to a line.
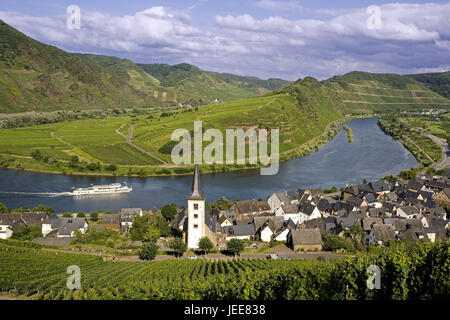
(279, 199)
(5, 232)
(68, 227)
(127, 216)
(308, 212)
(408, 212)
(289, 211)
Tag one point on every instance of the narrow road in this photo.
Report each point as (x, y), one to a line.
(423, 151)
(445, 163)
(128, 139)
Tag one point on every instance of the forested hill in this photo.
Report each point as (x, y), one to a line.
(362, 92)
(36, 76)
(439, 82)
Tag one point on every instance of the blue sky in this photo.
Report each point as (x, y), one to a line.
(266, 38)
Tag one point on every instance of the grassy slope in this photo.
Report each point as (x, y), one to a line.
(204, 87)
(38, 76)
(361, 92)
(96, 140)
(439, 82)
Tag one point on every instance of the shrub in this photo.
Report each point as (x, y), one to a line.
(235, 246)
(205, 244)
(333, 242)
(149, 251)
(178, 245)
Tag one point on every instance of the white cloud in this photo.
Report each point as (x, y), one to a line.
(411, 37)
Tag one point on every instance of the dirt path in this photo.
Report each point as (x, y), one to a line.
(128, 139)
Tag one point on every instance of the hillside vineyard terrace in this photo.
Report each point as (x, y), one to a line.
(213, 153)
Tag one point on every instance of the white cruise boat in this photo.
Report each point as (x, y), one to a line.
(102, 189)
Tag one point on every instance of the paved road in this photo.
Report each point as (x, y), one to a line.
(445, 163)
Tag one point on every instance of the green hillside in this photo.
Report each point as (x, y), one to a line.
(438, 82)
(205, 87)
(125, 69)
(362, 92)
(35, 76)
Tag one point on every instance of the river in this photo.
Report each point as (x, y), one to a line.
(372, 155)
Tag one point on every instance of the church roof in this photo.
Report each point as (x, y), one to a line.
(197, 193)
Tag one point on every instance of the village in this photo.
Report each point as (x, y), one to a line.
(385, 210)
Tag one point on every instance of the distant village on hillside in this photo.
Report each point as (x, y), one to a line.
(386, 210)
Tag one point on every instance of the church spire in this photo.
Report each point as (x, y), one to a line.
(197, 193)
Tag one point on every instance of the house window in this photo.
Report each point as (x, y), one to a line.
(195, 226)
(195, 206)
(195, 216)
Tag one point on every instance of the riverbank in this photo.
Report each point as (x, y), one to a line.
(335, 164)
(80, 168)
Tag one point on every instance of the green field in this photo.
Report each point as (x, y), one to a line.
(99, 141)
(408, 272)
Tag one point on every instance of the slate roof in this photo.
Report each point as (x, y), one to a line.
(13, 220)
(240, 230)
(252, 206)
(306, 237)
(128, 214)
(379, 186)
(34, 218)
(307, 209)
(261, 220)
(383, 232)
(323, 205)
(290, 208)
(197, 193)
(370, 198)
(346, 222)
(111, 218)
(68, 225)
(365, 188)
(410, 210)
(368, 222)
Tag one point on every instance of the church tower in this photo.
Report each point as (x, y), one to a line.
(196, 212)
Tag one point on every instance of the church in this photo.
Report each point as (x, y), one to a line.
(198, 222)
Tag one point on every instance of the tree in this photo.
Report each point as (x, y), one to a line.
(149, 251)
(27, 233)
(81, 215)
(36, 155)
(3, 208)
(141, 225)
(42, 208)
(73, 161)
(152, 234)
(205, 244)
(334, 242)
(178, 245)
(169, 211)
(67, 215)
(235, 246)
(220, 204)
(94, 216)
(111, 167)
(357, 234)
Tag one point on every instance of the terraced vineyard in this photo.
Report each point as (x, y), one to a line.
(409, 272)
